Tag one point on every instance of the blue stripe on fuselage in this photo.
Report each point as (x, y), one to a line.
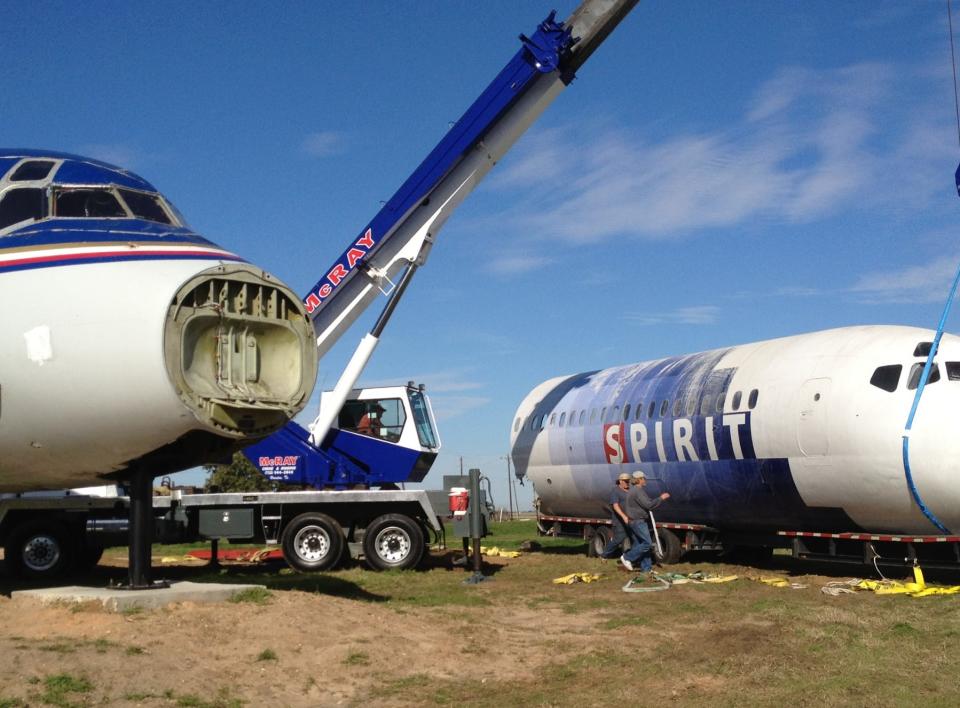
(55, 232)
(714, 485)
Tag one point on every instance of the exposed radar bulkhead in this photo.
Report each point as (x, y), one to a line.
(240, 350)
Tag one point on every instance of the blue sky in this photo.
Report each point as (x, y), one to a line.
(719, 173)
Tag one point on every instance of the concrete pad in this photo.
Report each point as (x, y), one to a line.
(115, 600)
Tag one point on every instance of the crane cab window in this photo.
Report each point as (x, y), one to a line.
(22, 205)
(32, 170)
(88, 203)
(887, 377)
(381, 418)
(916, 370)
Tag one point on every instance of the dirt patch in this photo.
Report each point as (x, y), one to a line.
(354, 637)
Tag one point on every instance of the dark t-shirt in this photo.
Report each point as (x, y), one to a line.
(617, 496)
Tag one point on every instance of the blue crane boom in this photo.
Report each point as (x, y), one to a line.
(399, 237)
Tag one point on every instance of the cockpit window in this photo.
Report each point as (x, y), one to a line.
(887, 377)
(145, 206)
(915, 372)
(34, 169)
(953, 370)
(922, 349)
(21, 205)
(89, 203)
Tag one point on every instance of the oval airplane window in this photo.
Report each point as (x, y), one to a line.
(677, 407)
(663, 408)
(603, 414)
(593, 415)
(639, 411)
(721, 399)
(691, 406)
(651, 409)
(553, 419)
(614, 413)
(543, 420)
(583, 413)
(752, 401)
(563, 417)
(626, 411)
(736, 400)
(705, 404)
(573, 417)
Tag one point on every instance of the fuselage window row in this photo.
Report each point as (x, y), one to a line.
(679, 406)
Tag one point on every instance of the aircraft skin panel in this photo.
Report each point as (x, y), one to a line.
(816, 448)
(58, 427)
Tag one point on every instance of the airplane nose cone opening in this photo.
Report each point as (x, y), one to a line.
(240, 350)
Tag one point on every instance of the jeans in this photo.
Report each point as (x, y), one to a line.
(642, 545)
(612, 548)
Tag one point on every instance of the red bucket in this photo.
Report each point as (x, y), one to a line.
(459, 501)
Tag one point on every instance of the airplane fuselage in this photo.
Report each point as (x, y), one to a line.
(799, 433)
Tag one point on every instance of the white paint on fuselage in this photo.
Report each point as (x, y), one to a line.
(816, 407)
(102, 396)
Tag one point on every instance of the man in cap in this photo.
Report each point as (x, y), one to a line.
(617, 499)
(638, 507)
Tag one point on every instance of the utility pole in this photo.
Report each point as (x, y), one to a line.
(509, 485)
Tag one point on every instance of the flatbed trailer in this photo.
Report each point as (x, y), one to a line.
(677, 539)
(46, 536)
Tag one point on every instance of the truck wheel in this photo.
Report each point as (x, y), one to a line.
(312, 542)
(599, 540)
(393, 541)
(40, 549)
(671, 547)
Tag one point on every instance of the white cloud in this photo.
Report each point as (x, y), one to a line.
(914, 284)
(810, 144)
(323, 143)
(514, 264)
(696, 315)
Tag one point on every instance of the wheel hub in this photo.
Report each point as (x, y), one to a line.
(312, 544)
(393, 545)
(41, 553)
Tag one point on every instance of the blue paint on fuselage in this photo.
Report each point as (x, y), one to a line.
(710, 482)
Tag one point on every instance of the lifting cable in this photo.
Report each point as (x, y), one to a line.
(928, 365)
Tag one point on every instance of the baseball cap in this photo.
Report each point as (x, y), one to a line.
(623, 476)
(639, 475)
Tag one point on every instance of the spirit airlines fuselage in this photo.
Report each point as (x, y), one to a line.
(126, 339)
(798, 433)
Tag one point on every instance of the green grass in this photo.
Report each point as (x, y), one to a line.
(357, 658)
(256, 596)
(58, 687)
(267, 655)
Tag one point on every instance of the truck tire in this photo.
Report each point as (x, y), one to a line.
(672, 549)
(393, 541)
(42, 548)
(312, 542)
(598, 541)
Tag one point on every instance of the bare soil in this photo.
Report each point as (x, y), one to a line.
(355, 637)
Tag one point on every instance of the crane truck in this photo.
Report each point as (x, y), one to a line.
(350, 470)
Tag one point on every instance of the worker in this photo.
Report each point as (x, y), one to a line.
(618, 497)
(638, 507)
(370, 422)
